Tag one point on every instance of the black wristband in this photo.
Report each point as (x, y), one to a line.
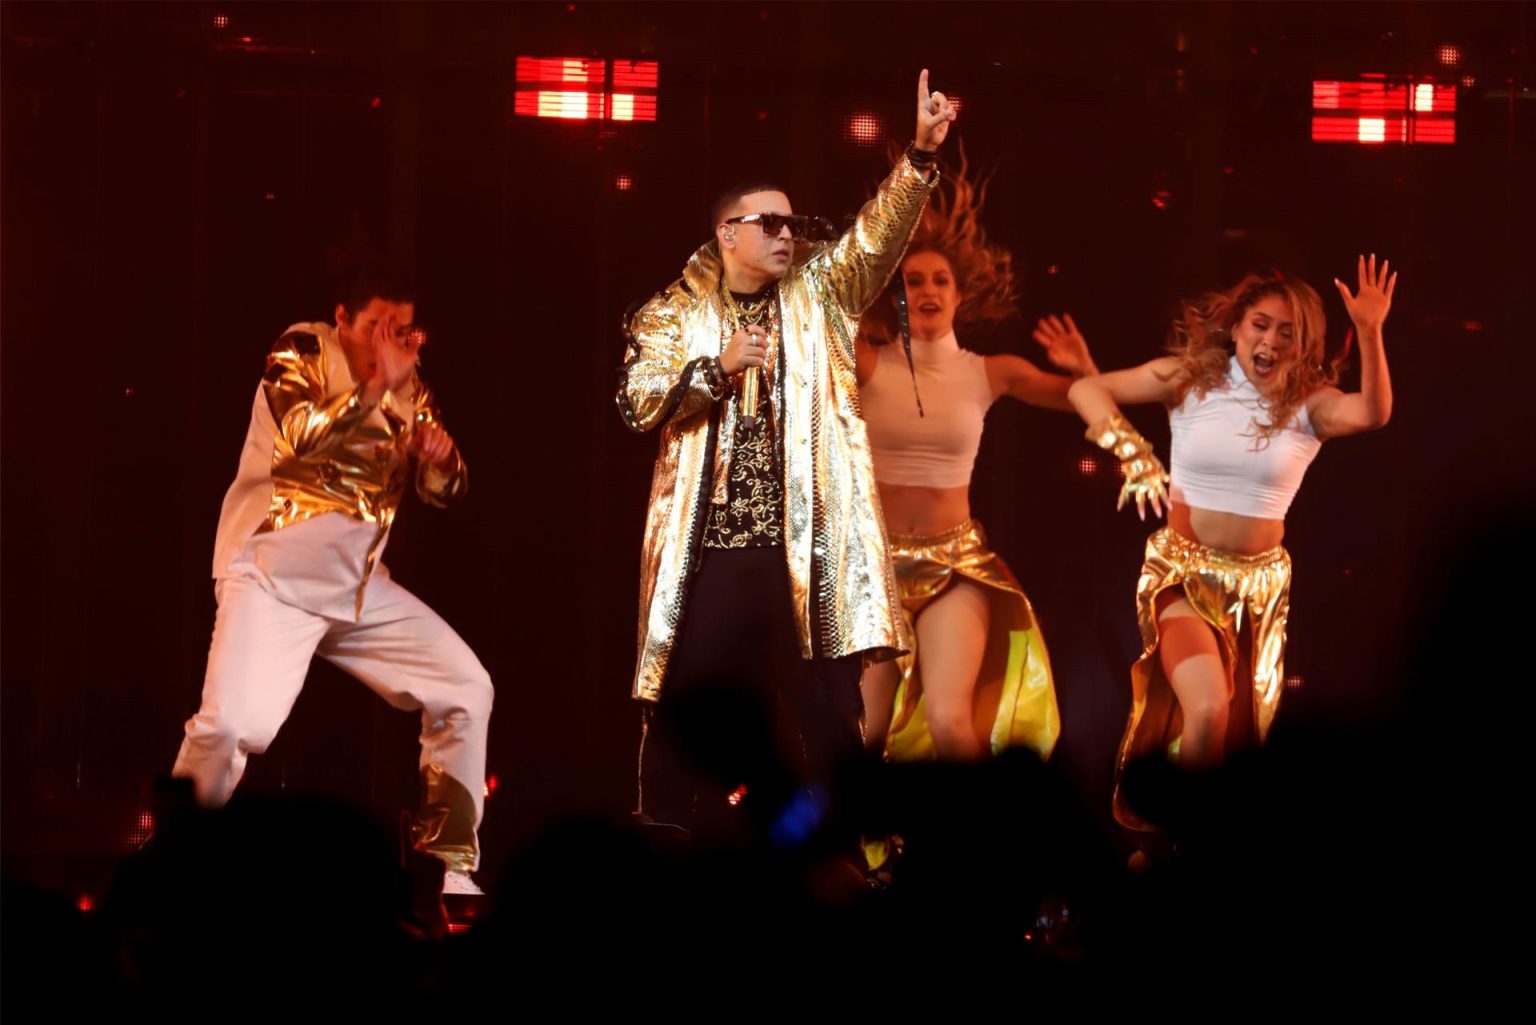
(922, 159)
(715, 378)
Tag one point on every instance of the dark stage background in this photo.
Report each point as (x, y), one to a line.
(177, 191)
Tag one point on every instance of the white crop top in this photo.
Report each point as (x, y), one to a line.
(1219, 461)
(938, 449)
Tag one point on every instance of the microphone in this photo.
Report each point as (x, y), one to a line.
(751, 380)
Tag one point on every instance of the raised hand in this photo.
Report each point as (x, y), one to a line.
(1368, 307)
(934, 113)
(1064, 344)
(395, 353)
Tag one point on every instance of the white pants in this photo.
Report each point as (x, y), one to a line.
(399, 647)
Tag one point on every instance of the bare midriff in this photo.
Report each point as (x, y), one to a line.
(1229, 532)
(914, 510)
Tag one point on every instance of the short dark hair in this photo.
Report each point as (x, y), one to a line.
(731, 196)
(379, 280)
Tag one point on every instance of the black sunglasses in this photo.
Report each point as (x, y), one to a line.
(813, 229)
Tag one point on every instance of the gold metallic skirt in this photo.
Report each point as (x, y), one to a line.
(1222, 588)
(1014, 683)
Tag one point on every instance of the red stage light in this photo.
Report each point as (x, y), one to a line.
(1087, 466)
(864, 129)
(623, 183)
(1376, 110)
(630, 107)
(1293, 681)
(1053, 269)
(1162, 199)
(269, 197)
(1468, 81)
(491, 783)
(376, 102)
(1450, 55)
(86, 903)
(221, 21)
(736, 796)
(567, 71)
(632, 75)
(577, 88)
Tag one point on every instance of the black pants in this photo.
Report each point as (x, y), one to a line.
(740, 707)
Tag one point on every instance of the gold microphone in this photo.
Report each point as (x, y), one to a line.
(750, 382)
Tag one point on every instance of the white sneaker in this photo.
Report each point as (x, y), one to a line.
(460, 884)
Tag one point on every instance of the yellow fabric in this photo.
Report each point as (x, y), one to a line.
(1224, 589)
(445, 826)
(1015, 675)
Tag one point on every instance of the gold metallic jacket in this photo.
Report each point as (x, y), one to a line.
(834, 533)
(314, 447)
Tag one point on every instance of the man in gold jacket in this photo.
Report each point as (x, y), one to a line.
(765, 579)
(340, 426)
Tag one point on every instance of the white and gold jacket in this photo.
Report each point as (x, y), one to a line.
(313, 448)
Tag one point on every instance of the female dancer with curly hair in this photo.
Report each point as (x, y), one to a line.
(1250, 399)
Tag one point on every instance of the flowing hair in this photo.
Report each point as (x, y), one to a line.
(951, 227)
(1201, 339)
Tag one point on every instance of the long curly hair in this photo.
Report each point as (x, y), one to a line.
(951, 227)
(1201, 339)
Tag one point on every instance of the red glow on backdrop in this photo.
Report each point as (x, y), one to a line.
(376, 102)
(1376, 111)
(140, 832)
(586, 89)
(864, 129)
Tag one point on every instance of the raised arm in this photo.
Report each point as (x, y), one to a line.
(1336, 413)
